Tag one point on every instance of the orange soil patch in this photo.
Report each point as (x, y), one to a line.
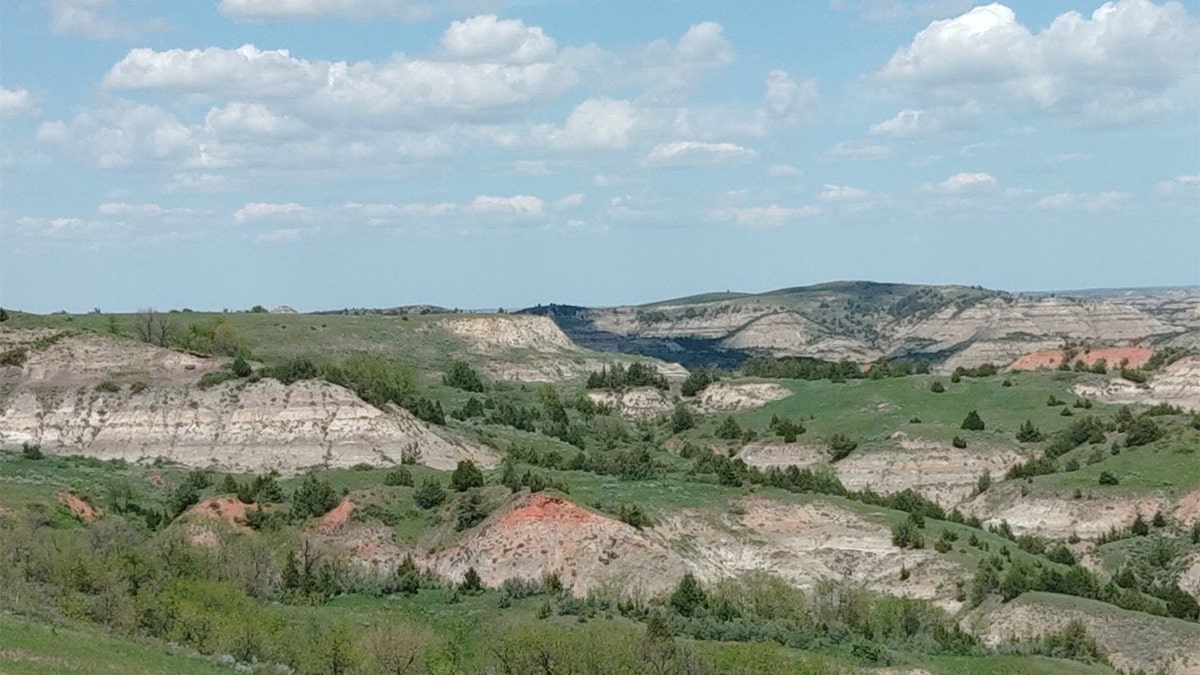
(1038, 361)
(1136, 356)
(78, 506)
(547, 509)
(333, 520)
(229, 509)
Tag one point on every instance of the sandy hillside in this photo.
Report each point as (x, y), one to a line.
(150, 406)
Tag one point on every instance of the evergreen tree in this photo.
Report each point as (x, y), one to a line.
(430, 494)
(973, 422)
(313, 498)
(1029, 433)
(689, 599)
(729, 429)
(466, 476)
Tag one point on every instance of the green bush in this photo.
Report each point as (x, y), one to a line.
(466, 476)
(399, 476)
(431, 494)
(972, 422)
(1107, 478)
(314, 498)
(937, 387)
(841, 446)
(461, 375)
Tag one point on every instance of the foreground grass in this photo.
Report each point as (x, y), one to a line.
(31, 648)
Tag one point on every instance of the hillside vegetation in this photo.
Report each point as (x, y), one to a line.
(400, 494)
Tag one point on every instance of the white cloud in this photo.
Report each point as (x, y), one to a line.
(126, 209)
(487, 38)
(570, 201)
(787, 99)
(960, 182)
(251, 120)
(1101, 201)
(264, 210)
(697, 153)
(15, 102)
(519, 205)
(285, 10)
(906, 123)
(1179, 185)
(597, 123)
(767, 216)
(397, 93)
(93, 19)
(862, 151)
(125, 134)
(839, 193)
(672, 70)
(1131, 59)
(783, 171)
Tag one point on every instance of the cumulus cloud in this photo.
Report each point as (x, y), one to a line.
(906, 123)
(15, 102)
(767, 216)
(1131, 59)
(788, 99)
(597, 123)
(487, 38)
(961, 182)
(1101, 201)
(289, 10)
(125, 134)
(519, 205)
(841, 193)
(251, 120)
(397, 93)
(783, 171)
(697, 153)
(672, 70)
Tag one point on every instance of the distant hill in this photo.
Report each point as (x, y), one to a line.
(865, 321)
(386, 311)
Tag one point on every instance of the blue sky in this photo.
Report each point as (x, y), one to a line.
(327, 153)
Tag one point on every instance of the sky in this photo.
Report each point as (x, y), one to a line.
(218, 154)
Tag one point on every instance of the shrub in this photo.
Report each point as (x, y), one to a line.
(109, 386)
(682, 418)
(466, 476)
(313, 498)
(632, 514)
(729, 430)
(958, 442)
(841, 446)
(31, 451)
(689, 598)
(462, 376)
(972, 422)
(1142, 431)
(399, 476)
(471, 582)
(937, 387)
(430, 495)
(471, 511)
(1107, 478)
(697, 381)
(1028, 433)
(908, 534)
(984, 482)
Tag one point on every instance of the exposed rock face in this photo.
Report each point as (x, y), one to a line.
(1132, 640)
(1061, 517)
(863, 322)
(800, 543)
(1177, 384)
(727, 397)
(491, 333)
(637, 403)
(938, 471)
(150, 406)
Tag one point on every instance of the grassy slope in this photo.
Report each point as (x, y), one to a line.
(31, 648)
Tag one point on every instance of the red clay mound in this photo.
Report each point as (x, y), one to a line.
(78, 506)
(1136, 357)
(1038, 361)
(229, 509)
(547, 509)
(331, 522)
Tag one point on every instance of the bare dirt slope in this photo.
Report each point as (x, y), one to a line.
(800, 543)
(1133, 640)
(935, 469)
(1177, 384)
(728, 396)
(636, 403)
(118, 399)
